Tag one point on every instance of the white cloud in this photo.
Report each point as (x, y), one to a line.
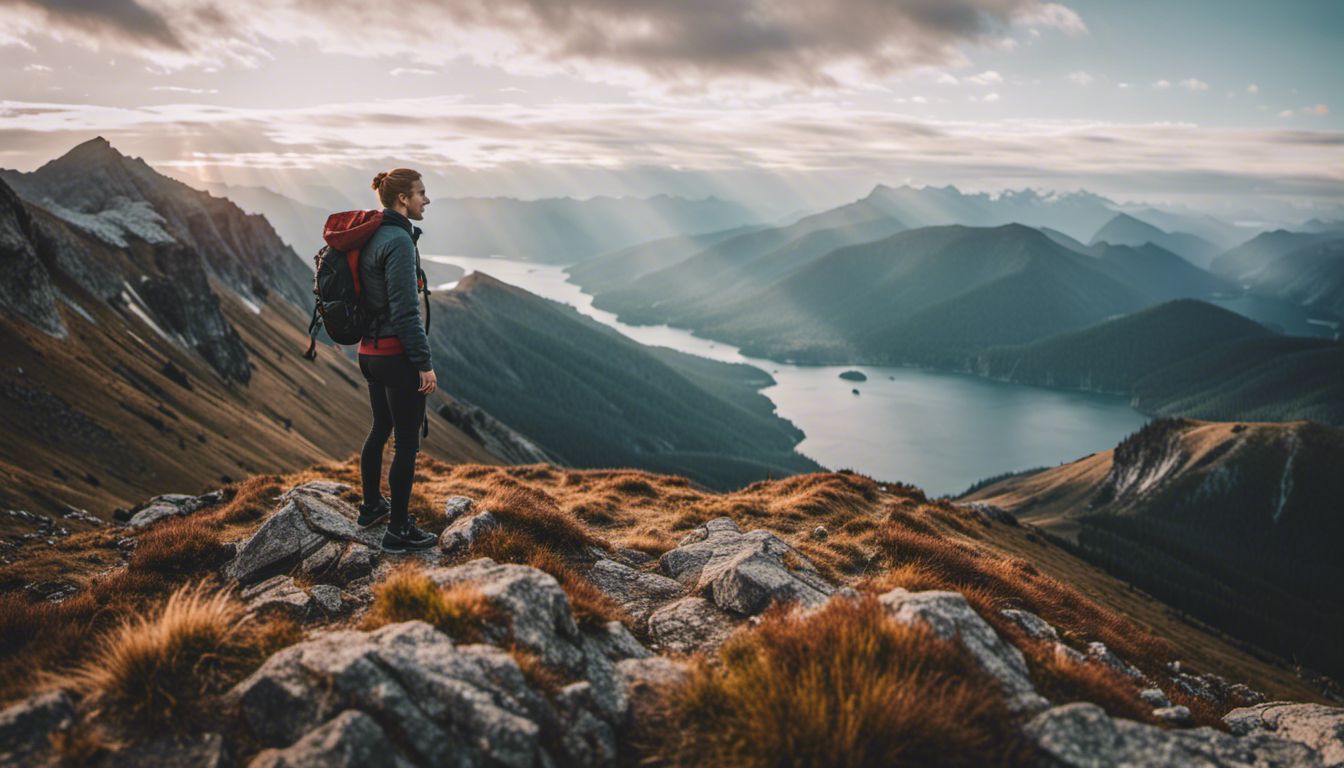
(1162, 85)
(673, 46)
(183, 89)
(1122, 86)
(1286, 113)
(988, 77)
(1080, 77)
(1252, 89)
(36, 68)
(992, 97)
(1316, 109)
(947, 79)
(398, 71)
(536, 142)
(1193, 84)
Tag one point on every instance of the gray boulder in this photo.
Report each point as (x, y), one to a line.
(951, 617)
(170, 505)
(1178, 715)
(313, 529)
(638, 592)
(691, 624)
(1316, 725)
(460, 535)
(741, 572)
(538, 618)
(437, 703)
(456, 507)
(154, 513)
(26, 725)
(1097, 651)
(1082, 735)
(278, 594)
(1035, 627)
(1155, 698)
(352, 739)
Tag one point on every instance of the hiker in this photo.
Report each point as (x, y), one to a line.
(394, 357)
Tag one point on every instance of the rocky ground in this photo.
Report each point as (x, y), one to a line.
(535, 679)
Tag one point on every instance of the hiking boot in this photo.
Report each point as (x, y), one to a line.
(407, 538)
(370, 515)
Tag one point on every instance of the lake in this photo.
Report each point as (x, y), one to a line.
(939, 431)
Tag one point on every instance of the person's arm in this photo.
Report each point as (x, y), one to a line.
(403, 303)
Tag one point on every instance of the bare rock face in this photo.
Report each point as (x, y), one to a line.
(170, 505)
(691, 624)
(1316, 725)
(437, 702)
(538, 618)
(349, 740)
(1035, 627)
(951, 617)
(24, 726)
(315, 530)
(743, 573)
(1082, 734)
(409, 694)
(640, 593)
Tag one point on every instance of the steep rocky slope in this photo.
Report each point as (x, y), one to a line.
(1237, 523)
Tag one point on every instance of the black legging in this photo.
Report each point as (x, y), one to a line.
(397, 406)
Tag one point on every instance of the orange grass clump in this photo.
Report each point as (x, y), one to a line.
(844, 686)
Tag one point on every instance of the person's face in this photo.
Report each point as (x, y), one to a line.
(416, 201)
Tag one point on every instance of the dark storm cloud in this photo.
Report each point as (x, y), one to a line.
(124, 19)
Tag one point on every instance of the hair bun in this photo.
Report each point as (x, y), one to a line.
(378, 180)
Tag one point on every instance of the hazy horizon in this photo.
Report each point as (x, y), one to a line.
(1213, 107)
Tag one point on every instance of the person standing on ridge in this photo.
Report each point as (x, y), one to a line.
(397, 366)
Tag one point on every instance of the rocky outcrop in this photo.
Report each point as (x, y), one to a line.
(638, 592)
(410, 694)
(349, 740)
(1318, 726)
(314, 530)
(952, 618)
(691, 624)
(459, 536)
(743, 572)
(279, 594)
(25, 726)
(1082, 734)
(25, 283)
(171, 505)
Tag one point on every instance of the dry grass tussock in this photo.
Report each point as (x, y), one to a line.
(163, 668)
(844, 686)
(459, 610)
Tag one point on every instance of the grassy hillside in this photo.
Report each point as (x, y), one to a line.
(1113, 355)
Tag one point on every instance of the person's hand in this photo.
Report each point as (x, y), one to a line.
(428, 382)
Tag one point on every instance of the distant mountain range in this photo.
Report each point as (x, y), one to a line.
(551, 230)
(1237, 523)
(926, 296)
(1303, 267)
(1187, 357)
(1127, 230)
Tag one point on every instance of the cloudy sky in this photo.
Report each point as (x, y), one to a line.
(1218, 104)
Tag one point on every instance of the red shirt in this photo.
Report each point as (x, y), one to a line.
(387, 345)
